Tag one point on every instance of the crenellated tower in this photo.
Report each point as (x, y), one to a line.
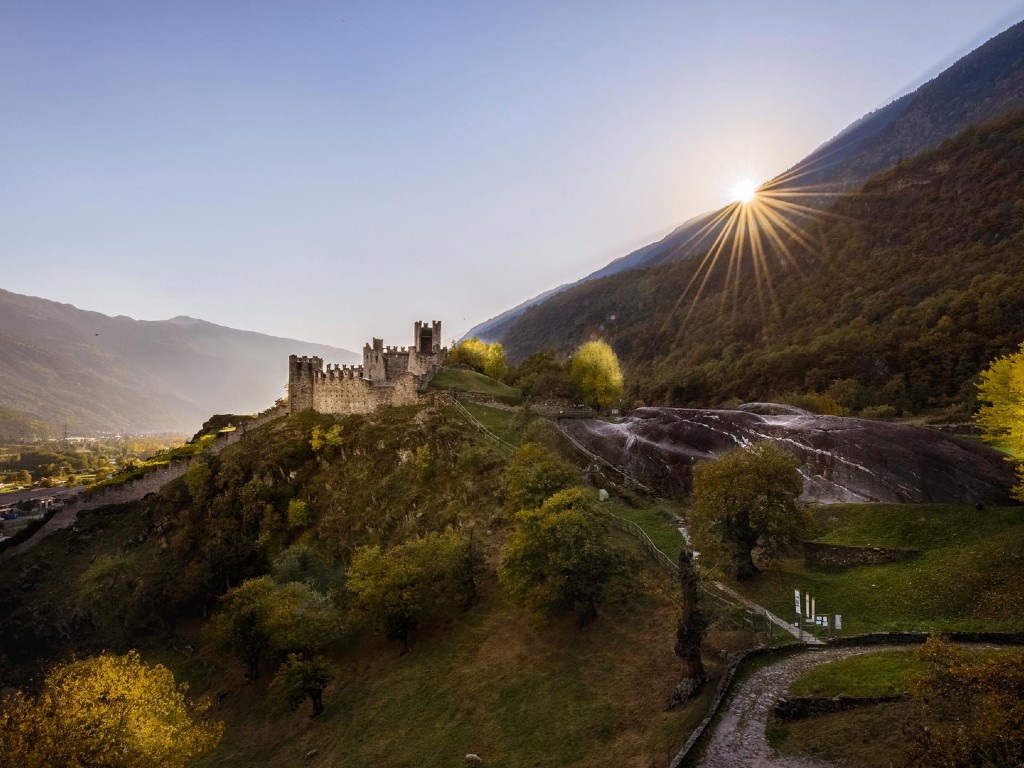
(302, 373)
(427, 339)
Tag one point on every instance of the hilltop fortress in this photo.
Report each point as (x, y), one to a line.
(388, 376)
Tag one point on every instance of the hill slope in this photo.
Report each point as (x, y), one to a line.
(62, 364)
(912, 286)
(986, 83)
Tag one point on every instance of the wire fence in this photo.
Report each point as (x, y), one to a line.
(475, 422)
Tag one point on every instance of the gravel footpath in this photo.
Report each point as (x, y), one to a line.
(738, 736)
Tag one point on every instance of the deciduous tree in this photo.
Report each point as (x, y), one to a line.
(559, 557)
(488, 359)
(110, 711)
(747, 498)
(300, 677)
(1001, 389)
(970, 705)
(535, 473)
(393, 591)
(596, 374)
(240, 628)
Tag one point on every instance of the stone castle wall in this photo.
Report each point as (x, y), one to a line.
(388, 376)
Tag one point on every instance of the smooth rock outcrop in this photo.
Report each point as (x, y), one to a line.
(842, 459)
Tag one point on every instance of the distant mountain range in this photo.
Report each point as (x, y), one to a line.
(986, 83)
(60, 364)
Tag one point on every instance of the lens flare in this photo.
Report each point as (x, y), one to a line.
(764, 229)
(745, 191)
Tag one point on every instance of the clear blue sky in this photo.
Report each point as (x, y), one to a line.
(333, 171)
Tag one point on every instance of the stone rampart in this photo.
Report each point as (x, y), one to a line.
(143, 486)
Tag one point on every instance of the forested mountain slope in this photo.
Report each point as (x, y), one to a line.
(985, 84)
(907, 290)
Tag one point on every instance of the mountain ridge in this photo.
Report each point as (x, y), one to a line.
(981, 85)
(104, 373)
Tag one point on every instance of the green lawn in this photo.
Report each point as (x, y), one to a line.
(466, 380)
(498, 421)
(871, 674)
(657, 522)
(966, 577)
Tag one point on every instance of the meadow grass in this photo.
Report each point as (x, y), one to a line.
(870, 674)
(498, 421)
(492, 683)
(657, 520)
(466, 380)
(966, 576)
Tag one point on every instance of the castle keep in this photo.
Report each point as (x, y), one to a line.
(388, 376)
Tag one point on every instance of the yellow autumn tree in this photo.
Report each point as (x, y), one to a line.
(107, 710)
(488, 359)
(596, 375)
(1001, 416)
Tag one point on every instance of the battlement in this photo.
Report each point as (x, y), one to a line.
(337, 372)
(389, 375)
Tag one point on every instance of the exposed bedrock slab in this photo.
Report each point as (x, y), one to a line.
(841, 458)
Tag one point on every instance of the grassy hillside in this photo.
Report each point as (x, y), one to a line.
(466, 380)
(492, 684)
(965, 577)
(907, 290)
(488, 679)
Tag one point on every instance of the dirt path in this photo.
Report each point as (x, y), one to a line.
(738, 736)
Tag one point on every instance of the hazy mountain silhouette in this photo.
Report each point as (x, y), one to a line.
(62, 364)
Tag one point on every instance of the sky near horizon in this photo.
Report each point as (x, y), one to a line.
(333, 171)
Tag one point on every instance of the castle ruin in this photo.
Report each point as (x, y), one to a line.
(388, 376)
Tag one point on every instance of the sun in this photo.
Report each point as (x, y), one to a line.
(744, 191)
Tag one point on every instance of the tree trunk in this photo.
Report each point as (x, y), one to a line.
(404, 639)
(589, 613)
(691, 621)
(744, 562)
(318, 701)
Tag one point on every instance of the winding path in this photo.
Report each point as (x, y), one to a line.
(738, 735)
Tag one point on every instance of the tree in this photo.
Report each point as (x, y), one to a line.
(535, 473)
(298, 619)
(488, 359)
(110, 711)
(240, 627)
(559, 557)
(309, 565)
(970, 707)
(262, 617)
(299, 677)
(596, 375)
(106, 590)
(543, 374)
(747, 498)
(691, 626)
(1002, 419)
(392, 592)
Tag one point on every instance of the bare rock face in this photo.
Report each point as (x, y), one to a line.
(842, 459)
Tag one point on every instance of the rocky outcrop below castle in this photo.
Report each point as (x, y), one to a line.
(842, 459)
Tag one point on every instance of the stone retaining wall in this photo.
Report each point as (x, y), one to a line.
(801, 707)
(843, 557)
